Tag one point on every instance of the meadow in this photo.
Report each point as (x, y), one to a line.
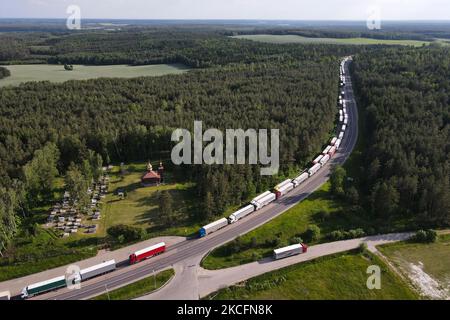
(283, 39)
(336, 277)
(57, 73)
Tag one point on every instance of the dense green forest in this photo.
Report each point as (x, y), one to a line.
(406, 96)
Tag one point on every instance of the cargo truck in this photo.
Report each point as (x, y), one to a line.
(241, 213)
(44, 286)
(289, 251)
(341, 135)
(333, 141)
(316, 160)
(326, 150)
(300, 179)
(314, 169)
(263, 200)
(146, 253)
(212, 227)
(5, 295)
(325, 159)
(338, 143)
(283, 188)
(97, 270)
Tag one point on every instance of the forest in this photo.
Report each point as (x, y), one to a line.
(406, 97)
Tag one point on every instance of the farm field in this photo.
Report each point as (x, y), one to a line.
(426, 265)
(139, 288)
(337, 277)
(56, 73)
(283, 39)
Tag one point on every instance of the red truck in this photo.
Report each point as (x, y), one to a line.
(149, 252)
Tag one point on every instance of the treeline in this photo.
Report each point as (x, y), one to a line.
(4, 72)
(406, 96)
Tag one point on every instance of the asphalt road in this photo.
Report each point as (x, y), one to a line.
(191, 248)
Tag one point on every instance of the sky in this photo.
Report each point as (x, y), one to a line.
(231, 9)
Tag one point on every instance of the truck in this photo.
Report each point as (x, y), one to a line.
(241, 213)
(212, 227)
(314, 169)
(333, 141)
(300, 179)
(344, 127)
(5, 295)
(338, 143)
(316, 160)
(325, 159)
(263, 200)
(148, 252)
(283, 188)
(341, 119)
(341, 135)
(289, 251)
(345, 121)
(97, 270)
(326, 150)
(332, 151)
(44, 286)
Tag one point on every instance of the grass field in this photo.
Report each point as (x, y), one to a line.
(292, 223)
(139, 288)
(426, 265)
(56, 73)
(283, 39)
(339, 276)
(140, 206)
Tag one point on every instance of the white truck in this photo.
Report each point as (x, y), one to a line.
(325, 159)
(326, 150)
(241, 213)
(212, 227)
(263, 199)
(341, 135)
(97, 270)
(333, 141)
(283, 188)
(289, 251)
(316, 160)
(313, 170)
(300, 179)
(5, 295)
(338, 143)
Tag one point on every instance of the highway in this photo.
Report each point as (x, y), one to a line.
(200, 247)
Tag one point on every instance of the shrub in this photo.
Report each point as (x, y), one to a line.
(123, 233)
(425, 236)
(295, 240)
(312, 233)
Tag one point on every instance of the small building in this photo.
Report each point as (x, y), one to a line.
(151, 178)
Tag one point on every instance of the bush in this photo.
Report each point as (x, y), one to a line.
(322, 215)
(336, 235)
(312, 233)
(123, 233)
(344, 235)
(425, 236)
(295, 240)
(363, 247)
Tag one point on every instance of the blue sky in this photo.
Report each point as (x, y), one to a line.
(230, 9)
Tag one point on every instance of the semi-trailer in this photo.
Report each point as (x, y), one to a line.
(326, 150)
(338, 143)
(344, 127)
(332, 151)
(212, 227)
(148, 252)
(341, 135)
(333, 141)
(325, 159)
(44, 286)
(241, 213)
(316, 160)
(97, 270)
(345, 121)
(300, 179)
(284, 189)
(5, 295)
(341, 119)
(263, 200)
(289, 251)
(282, 184)
(314, 169)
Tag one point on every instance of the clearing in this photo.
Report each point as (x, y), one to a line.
(56, 73)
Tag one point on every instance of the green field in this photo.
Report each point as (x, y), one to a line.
(139, 288)
(432, 259)
(337, 277)
(140, 206)
(283, 39)
(290, 224)
(56, 73)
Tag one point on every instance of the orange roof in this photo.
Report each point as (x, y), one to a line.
(151, 175)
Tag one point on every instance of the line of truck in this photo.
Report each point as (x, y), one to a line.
(288, 185)
(89, 273)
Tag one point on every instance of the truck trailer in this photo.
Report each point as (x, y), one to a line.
(325, 159)
(314, 169)
(241, 213)
(263, 199)
(316, 160)
(5, 295)
(148, 252)
(212, 227)
(97, 270)
(283, 188)
(44, 286)
(300, 179)
(289, 251)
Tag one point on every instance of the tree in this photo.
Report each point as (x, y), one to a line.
(337, 180)
(384, 199)
(352, 195)
(166, 214)
(312, 233)
(125, 233)
(208, 206)
(68, 67)
(40, 173)
(9, 222)
(77, 185)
